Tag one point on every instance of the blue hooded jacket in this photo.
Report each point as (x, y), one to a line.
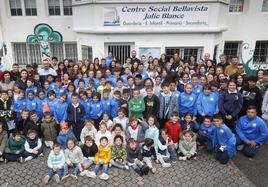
(40, 106)
(224, 137)
(97, 83)
(19, 104)
(207, 104)
(62, 138)
(112, 79)
(60, 112)
(252, 129)
(32, 88)
(197, 89)
(59, 91)
(110, 106)
(31, 104)
(51, 105)
(95, 110)
(207, 131)
(86, 105)
(187, 103)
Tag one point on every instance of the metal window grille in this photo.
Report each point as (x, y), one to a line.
(71, 51)
(56, 50)
(184, 53)
(261, 52)
(34, 52)
(54, 7)
(120, 51)
(86, 52)
(20, 53)
(15, 7)
(236, 5)
(231, 49)
(265, 6)
(67, 7)
(30, 7)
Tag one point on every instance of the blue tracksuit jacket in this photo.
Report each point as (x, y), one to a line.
(40, 106)
(207, 104)
(110, 106)
(95, 110)
(207, 131)
(31, 104)
(187, 103)
(19, 104)
(60, 112)
(51, 105)
(59, 91)
(62, 138)
(86, 105)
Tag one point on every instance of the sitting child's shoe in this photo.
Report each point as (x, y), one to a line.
(166, 165)
(240, 147)
(28, 158)
(104, 176)
(126, 167)
(153, 170)
(65, 177)
(46, 179)
(182, 158)
(41, 154)
(1, 159)
(91, 174)
(5, 161)
(74, 176)
(20, 160)
(145, 170)
(140, 173)
(84, 173)
(57, 178)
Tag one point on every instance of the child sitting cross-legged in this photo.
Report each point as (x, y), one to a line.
(119, 154)
(33, 145)
(74, 158)
(102, 158)
(148, 152)
(187, 146)
(89, 150)
(55, 162)
(134, 158)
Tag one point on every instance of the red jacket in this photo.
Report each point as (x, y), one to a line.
(174, 130)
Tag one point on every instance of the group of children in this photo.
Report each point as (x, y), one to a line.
(124, 120)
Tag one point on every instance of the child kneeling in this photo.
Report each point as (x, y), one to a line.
(102, 158)
(187, 146)
(119, 154)
(55, 162)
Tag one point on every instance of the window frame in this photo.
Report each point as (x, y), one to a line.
(16, 9)
(264, 2)
(258, 49)
(234, 7)
(32, 9)
(54, 9)
(238, 49)
(69, 8)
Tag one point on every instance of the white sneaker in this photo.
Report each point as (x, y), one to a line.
(1, 159)
(41, 154)
(65, 177)
(166, 165)
(57, 178)
(174, 162)
(153, 170)
(91, 174)
(74, 176)
(20, 160)
(182, 158)
(126, 167)
(84, 173)
(104, 176)
(46, 179)
(28, 158)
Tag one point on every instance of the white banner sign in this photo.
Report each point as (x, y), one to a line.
(181, 15)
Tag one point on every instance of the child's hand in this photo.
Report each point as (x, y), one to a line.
(17, 152)
(71, 164)
(55, 168)
(35, 152)
(137, 161)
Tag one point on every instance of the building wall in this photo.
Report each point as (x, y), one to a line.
(17, 28)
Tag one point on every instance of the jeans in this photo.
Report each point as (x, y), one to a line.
(76, 168)
(117, 165)
(51, 172)
(105, 168)
(13, 157)
(247, 149)
(88, 162)
(173, 153)
(222, 157)
(204, 140)
(148, 161)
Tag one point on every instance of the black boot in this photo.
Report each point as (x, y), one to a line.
(145, 170)
(138, 170)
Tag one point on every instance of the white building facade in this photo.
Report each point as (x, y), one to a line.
(82, 29)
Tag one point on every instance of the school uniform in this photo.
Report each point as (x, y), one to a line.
(60, 112)
(207, 104)
(187, 103)
(110, 106)
(205, 136)
(96, 112)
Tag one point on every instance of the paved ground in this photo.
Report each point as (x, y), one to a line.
(255, 169)
(205, 171)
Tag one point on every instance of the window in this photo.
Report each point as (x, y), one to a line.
(265, 6)
(71, 51)
(120, 51)
(261, 52)
(56, 50)
(231, 49)
(86, 52)
(20, 53)
(67, 7)
(236, 5)
(54, 7)
(15, 7)
(185, 53)
(34, 52)
(30, 7)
